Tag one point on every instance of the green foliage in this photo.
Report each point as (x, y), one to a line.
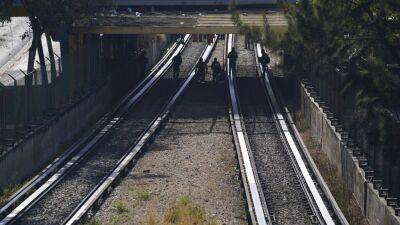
(144, 195)
(5, 10)
(359, 37)
(254, 33)
(51, 14)
(351, 50)
(119, 207)
(186, 212)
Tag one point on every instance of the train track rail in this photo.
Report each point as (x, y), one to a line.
(103, 188)
(102, 129)
(319, 197)
(282, 187)
(51, 203)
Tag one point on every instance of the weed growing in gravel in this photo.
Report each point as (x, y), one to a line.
(242, 214)
(185, 212)
(151, 220)
(224, 157)
(144, 195)
(119, 207)
(120, 219)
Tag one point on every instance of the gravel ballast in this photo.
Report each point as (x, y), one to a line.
(277, 177)
(193, 157)
(61, 200)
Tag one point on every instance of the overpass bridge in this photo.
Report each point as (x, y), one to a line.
(201, 17)
(183, 2)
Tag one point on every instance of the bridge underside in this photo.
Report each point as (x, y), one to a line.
(191, 23)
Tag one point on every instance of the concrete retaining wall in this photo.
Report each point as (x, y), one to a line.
(36, 151)
(374, 207)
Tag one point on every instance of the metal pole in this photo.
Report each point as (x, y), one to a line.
(28, 96)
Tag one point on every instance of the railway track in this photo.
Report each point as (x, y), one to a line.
(102, 128)
(282, 186)
(281, 182)
(94, 161)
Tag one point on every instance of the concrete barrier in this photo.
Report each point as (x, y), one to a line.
(373, 207)
(34, 153)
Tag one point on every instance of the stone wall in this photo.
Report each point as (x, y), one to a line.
(334, 144)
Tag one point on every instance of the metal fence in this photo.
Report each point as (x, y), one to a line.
(31, 99)
(28, 99)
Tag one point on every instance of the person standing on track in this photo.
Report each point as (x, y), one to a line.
(201, 70)
(247, 41)
(233, 56)
(216, 68)
(264, 60)
(176, 63)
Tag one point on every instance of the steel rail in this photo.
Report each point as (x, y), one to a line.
(54, 173)
(104, 186)
(49, 170)
(321, 182)
(17, 197)
(311, 189)
(256, 207)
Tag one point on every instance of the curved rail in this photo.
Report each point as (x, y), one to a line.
(81, 211)
(256, 207)
(61, 166)
(315, 199)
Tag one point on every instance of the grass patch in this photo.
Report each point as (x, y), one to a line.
(183, 212)
(144, 195)
(342, 195)
(151, 220)
(119, 207)
(242, 214)
(122, 213)
(224, 157)
(119, 219)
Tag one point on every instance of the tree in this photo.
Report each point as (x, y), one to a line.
(47, 16)
(5, 10)
(350, 49)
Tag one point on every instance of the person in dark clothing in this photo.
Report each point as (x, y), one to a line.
(232, 56)
(247, 41)
(142, 62)
(264, 60)
(176, 62)
(216, 68)
(201, 70)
